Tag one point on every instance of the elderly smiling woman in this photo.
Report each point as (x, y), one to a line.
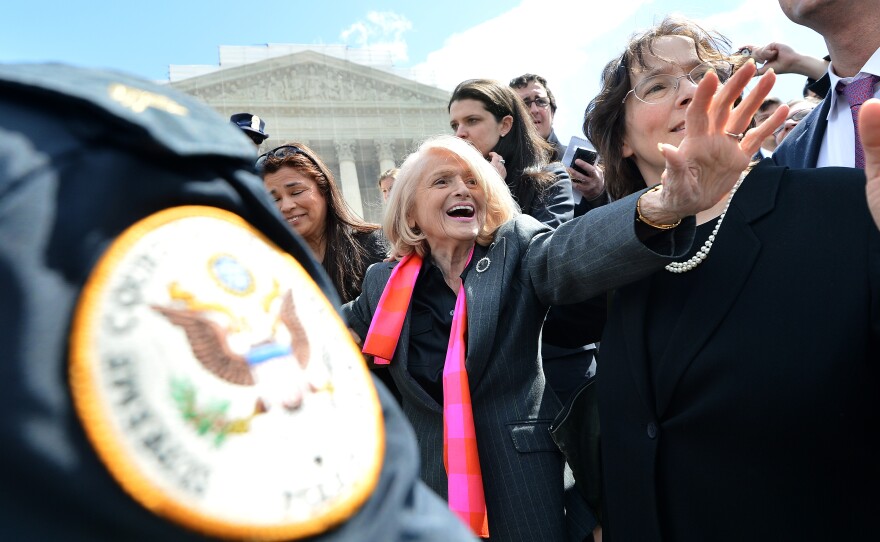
(459, 317)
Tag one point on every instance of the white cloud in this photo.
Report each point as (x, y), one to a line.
(549, 36)
(569, 44)
(753, 23)
(382, 31)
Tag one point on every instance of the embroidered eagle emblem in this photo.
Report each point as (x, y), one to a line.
(280, 372)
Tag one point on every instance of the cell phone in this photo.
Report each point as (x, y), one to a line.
(582, 149)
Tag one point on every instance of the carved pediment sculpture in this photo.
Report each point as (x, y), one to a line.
(309, 77)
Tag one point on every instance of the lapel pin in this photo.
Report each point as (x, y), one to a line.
(483, 264)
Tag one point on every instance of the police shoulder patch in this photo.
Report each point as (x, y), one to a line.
(218, 385)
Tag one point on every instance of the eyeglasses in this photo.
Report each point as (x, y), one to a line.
(281, 152)
(793, 120)
(543, 103)
(659, 88)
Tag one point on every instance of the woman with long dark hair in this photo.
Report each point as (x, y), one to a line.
(494, 119)
(310, 201)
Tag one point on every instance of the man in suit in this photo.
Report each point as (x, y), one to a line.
(826, 137)
(588, 188)
(112, 292)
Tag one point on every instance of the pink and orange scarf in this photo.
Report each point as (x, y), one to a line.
(465, 479)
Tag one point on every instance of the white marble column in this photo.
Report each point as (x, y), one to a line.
(348, 175)
(385, 150)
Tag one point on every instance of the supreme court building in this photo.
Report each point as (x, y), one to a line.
(358, 113)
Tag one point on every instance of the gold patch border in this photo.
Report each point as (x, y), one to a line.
(107, 442)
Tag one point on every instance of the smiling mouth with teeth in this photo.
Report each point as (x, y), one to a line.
(461, 211)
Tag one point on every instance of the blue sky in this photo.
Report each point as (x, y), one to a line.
(565, 41)
(145, 37)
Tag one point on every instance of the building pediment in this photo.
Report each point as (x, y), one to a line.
(311, 78)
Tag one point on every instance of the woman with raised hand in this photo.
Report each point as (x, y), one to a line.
(459, 317)
(738, 387)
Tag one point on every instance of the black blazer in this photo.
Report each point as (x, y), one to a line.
(760, 420)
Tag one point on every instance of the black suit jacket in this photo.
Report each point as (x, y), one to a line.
(759, 421)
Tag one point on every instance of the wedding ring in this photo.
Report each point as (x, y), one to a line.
(502, 160)
(737, 137)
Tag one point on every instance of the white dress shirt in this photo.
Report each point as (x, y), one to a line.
(839, 141)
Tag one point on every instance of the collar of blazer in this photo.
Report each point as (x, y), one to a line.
(715, 289)
(484, 294)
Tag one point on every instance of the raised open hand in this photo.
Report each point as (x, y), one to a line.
(714, 152)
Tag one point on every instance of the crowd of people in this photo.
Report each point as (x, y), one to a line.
(682, 335)
(714, 277)
(674, 340)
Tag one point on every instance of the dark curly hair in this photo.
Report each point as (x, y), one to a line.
(523, 81)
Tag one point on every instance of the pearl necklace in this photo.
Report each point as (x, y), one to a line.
(703, 253)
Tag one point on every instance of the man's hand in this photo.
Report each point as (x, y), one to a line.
(590, 186)
(783, 59)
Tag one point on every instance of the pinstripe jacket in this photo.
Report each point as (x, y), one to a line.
(532, 267)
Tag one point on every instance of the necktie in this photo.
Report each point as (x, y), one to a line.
(856, 93)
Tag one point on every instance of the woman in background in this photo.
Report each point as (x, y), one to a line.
(493, 118)
(312, 204)
(385, 182)
(309, 199)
